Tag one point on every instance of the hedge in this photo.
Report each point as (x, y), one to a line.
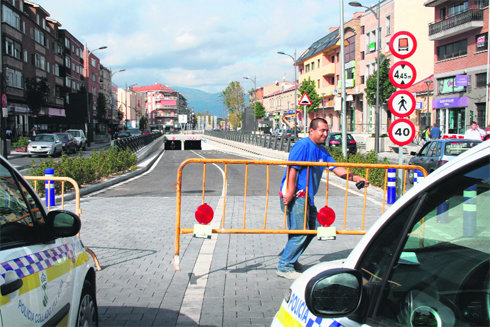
(98, 165)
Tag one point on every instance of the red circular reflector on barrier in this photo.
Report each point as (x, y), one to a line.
(204, 214)
(326, 216)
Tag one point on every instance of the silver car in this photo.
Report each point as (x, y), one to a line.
(45, 144)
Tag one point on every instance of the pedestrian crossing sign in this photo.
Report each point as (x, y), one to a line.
(305, 100)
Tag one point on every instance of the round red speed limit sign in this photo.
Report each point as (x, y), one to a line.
(401, 132)
(402, 74)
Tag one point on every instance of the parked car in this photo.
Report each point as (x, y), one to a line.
(418, 265)
(47, 277)
(68, 142)
(334, 140)
(436, 153)
(283, 132)
(45, 144)
(80, 138)
(123, 134)
(133, 131)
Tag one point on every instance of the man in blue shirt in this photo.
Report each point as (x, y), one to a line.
(435, 132)
(293, 191)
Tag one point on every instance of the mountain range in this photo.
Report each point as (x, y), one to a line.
(202, 102)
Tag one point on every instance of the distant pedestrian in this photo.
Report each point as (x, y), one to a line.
(474, 132)
(293, 193)
(435, 132)
(33, 131)
(426, 133)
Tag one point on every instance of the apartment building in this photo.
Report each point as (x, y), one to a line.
(460, 33)
(163, 104)
(394, 16)
(38, 52)
(318, 63)
(279, 103)
(131, 104)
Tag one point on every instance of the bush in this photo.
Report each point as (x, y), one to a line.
(84, 171)
(376, 176)
(22, 142)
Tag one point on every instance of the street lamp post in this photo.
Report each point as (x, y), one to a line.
(428, 82)
(89, 127)
(295, 91)
(378, 56)
(254, 80)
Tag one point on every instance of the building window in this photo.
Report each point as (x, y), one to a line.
(68, 62)
(451, 50)
(480, 4)
(13, 77)
(10, 17)
(481, 80)
(12, 48)
(56, 69)
(39, 36)
(318, 63)
(482, 42)
(350, 49)
(362, 79)
(307, 68)
(448, 85)
(362, 55)
(371, 41)
(362, 30)
(25, 56)
(67, 43)
(332, 59)
(350, 73)
(93, 62)
(457, 9)
(388, 25)
(39, 61)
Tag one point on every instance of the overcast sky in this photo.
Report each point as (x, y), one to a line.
(196, 43)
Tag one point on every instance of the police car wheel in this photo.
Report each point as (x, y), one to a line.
(87, 310)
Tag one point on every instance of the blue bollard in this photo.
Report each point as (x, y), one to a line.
(49, 188)
(418, 176)
(391, 186)
(469, 211)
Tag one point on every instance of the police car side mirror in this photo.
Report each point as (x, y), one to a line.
(413, 153)
(63, 223)
(334, 293)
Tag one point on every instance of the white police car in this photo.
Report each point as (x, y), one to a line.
(46, 275)
(425, 262)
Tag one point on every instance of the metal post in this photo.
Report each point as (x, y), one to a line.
(377, 113)
(342, 64)
(295, 93)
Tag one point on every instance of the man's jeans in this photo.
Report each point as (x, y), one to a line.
(297, 244)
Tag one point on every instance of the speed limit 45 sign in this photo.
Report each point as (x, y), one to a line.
(401, 131)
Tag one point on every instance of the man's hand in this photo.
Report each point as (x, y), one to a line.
(287, 198)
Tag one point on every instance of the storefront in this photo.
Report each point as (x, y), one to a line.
(450, 114)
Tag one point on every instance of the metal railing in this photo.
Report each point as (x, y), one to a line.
(263, 226)
(282, 143)
(467, 16)
(136, 142)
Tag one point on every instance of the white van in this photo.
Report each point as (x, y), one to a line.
(425, 262)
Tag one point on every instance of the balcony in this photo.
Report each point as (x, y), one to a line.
(463, 22)
(328, 69)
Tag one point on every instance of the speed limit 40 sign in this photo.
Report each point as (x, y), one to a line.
(401, 132)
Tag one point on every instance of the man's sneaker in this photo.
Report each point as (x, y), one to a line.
(291, 274)
(298, 266)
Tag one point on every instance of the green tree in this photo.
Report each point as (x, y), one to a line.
(37, 92)
(101, 108)
(143, 122)
(308, 86)
(259, 110)
(234, 99)
(386, 89)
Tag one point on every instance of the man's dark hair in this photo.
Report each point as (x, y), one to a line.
(314, 122)
(472, 122)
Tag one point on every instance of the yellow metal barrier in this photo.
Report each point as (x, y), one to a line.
(282, 230)
(78, 210)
